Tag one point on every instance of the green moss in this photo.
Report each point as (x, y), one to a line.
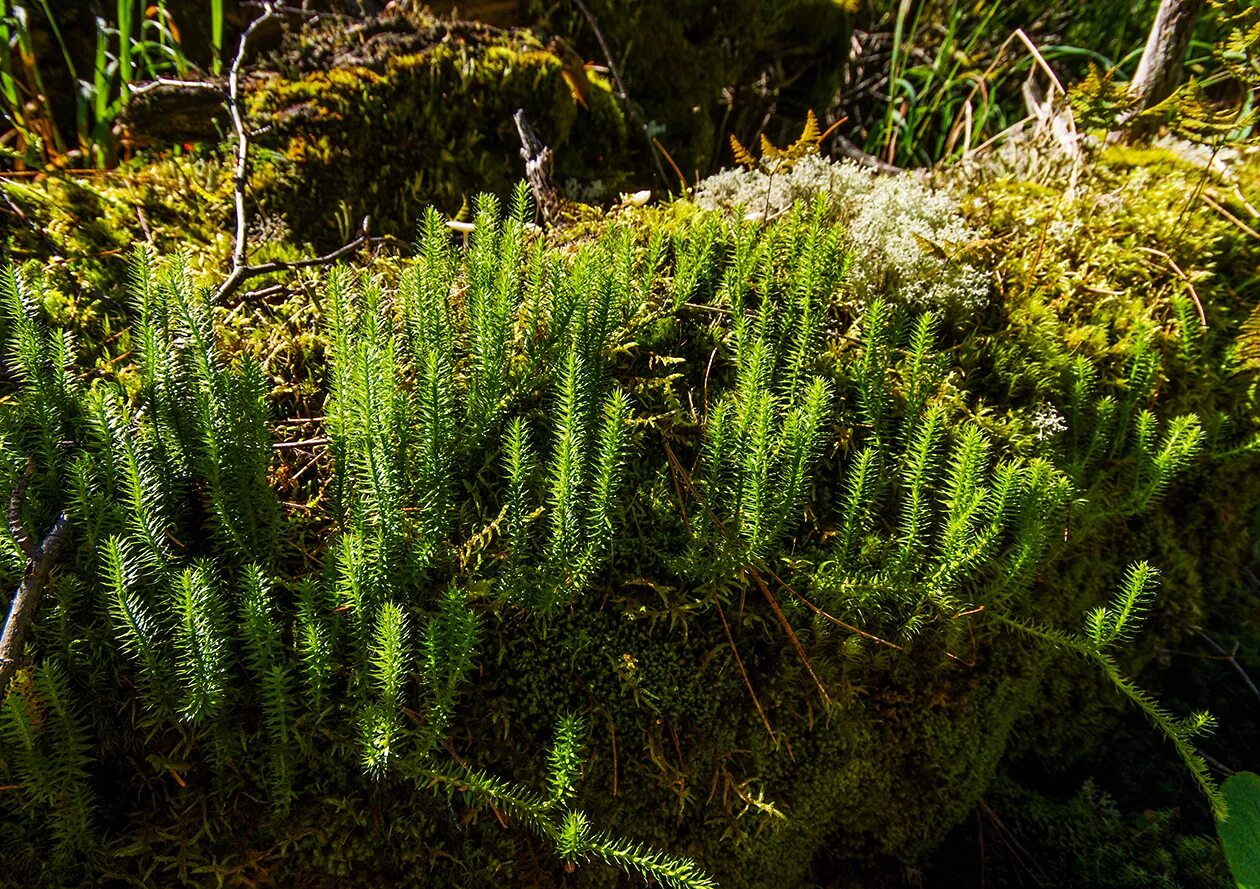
(678, 755)
(77, 230)
(437, 127)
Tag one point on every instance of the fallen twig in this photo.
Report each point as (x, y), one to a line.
(1230, 216)
(242, 272)
(30, 591)
(681, 471)
(15, 508)
(1230, 658)
(739, 662)
(304, 443)
(242, 144)
(1198, 303)
(850, 150)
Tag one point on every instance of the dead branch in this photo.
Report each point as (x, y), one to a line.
(242, 272)
(15, 509)
(1231, 658)
(1159, 71)
(538, 160)
(739, 662)
(852, 151)
(242, 140)
(30, 591)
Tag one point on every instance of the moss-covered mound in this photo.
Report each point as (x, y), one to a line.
(430, 103)
(812, 545)
(399, 114)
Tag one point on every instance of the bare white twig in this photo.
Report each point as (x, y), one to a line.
(242, 143)
(1231, 658)
(170, 81)
(241, 271)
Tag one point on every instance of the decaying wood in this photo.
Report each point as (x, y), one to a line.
(538, 160)
(25, 604)
(174, 112)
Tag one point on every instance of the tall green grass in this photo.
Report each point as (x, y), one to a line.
(955, 68)
(140, 41)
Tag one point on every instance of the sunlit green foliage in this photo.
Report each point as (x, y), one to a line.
(691, 485)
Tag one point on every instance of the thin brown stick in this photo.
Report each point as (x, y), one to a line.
(739, 662)
(682, 180)
(857, 631)
(1198, 303)
(1230, 216)
(1232, 659)
(304, 443)
(673, 459)
(760, 583)
(791, 633)
(612, 733)
(622, 92)
(242, 139)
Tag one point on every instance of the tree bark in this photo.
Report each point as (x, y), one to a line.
(1159, 71)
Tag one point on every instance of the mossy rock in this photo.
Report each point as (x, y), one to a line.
(419, 115)
(912, 741)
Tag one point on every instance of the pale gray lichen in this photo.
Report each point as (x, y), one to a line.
(1048, 423)
(904, 233)
(770, 195)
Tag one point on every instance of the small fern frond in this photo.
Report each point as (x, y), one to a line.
(564, 760)
(742, 155)
(1119, 621)
(201, 646)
